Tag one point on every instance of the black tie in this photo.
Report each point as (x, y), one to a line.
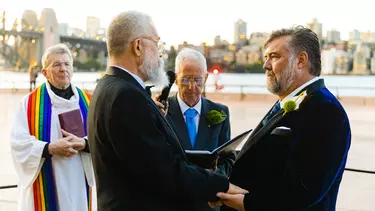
(148, 90)
(274, 110)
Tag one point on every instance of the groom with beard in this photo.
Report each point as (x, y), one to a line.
(138, 161)
(295, 158)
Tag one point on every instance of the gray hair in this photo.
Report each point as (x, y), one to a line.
(302, 39)
(55, 49)
(125, 27)
(188, 53)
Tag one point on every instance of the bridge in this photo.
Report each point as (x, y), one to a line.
(23, 45)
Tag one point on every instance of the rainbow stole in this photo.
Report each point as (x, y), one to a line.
(39, 111)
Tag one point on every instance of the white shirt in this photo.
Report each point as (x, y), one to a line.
(185, 107)
(292, 94)
(137, 78)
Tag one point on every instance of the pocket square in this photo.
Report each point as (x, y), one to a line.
(281, 131)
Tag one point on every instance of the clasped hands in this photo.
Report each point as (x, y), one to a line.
(68, 146)
(233, 198)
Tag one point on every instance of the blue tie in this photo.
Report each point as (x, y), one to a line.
(274, 110)
(190, 123)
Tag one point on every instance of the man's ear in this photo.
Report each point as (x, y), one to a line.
(44, 72)
(303, 59)
(137, 48)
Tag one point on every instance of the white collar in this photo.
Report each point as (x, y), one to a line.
(185, 107)
(137, 78)
(292, 94)
(60, 102)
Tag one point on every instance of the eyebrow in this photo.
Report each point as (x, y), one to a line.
(60, 62)
(270, 53)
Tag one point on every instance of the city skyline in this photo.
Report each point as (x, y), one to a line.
(199, 21)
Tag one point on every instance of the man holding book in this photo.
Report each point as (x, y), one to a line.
(53, 165)
(199, 123)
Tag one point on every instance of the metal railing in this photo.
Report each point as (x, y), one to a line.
(346, 169)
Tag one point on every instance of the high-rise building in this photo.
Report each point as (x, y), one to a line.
(367, 37)
(316, 27)
(355, 35)
(217, 40)
(63, 29)
(361, 55)
(240, 31)
(258, 38)
(76, 32)
(333, 36)
(92, 26)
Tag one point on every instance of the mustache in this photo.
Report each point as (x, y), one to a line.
(269, 73)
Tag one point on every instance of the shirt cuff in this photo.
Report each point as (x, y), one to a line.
(45, 153)
(86, 149)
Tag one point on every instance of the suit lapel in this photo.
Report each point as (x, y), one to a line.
(203, 130)
(169, 126)
(260, 131)
(114, 71)
(260, 125)
(178, 122)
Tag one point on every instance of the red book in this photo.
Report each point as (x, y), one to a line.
(71, 122)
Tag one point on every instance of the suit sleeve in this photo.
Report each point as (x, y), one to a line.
(226, 162)
(319, 156)
(141, 144)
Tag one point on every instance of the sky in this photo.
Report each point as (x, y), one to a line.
(197, 21)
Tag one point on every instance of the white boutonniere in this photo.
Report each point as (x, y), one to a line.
(293, 104)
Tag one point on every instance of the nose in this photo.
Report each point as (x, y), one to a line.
(267, 65)
(64, 67)
(191, 84)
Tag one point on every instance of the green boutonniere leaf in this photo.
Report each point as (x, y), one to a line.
(289, 106)
(215, 117)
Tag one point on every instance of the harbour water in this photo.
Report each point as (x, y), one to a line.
(361, 86)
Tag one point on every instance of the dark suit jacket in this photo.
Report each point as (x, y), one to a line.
(138, 161)
(209, 137)
(300, 169)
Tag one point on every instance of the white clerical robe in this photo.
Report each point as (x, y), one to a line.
(69, 172)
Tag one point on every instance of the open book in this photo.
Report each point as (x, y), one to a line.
(207, 159)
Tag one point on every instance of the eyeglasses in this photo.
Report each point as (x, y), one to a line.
(59, 65)
(186, 81)
(159, 43)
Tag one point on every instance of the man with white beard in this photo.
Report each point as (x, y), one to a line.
(138, 161)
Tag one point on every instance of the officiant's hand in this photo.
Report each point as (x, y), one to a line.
(79, 143)
(64, 147)
(162, 108)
